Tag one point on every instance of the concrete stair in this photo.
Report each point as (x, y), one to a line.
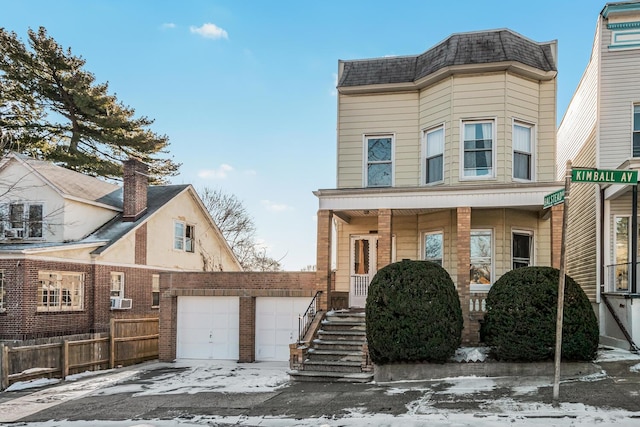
(337, 352)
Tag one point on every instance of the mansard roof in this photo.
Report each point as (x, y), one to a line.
(485, 47)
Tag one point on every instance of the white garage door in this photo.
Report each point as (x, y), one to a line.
(208, 328)
(277, 326)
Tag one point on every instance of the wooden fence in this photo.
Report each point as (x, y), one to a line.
(130, 341)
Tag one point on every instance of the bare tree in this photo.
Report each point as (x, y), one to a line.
(238, 229)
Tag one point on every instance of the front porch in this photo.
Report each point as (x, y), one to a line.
(354, 244)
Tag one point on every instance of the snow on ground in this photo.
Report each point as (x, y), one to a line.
(41, 382)
(195, 376)
(608, 354)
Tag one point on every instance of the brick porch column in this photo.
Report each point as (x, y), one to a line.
(557, 212)
(463, 233)
(323, 257)
(384, 237)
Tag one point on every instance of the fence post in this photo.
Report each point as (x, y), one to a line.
(112, 344)
(65, 359)
(4, 369)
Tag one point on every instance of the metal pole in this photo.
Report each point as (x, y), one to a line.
(634, 240)
(558, 355)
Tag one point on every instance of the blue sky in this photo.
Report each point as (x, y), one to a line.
(245, 90)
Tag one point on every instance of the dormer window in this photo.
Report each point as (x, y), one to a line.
(21, 221)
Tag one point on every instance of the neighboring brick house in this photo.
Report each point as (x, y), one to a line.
(601, 129)
(76, 251)
(444, 156)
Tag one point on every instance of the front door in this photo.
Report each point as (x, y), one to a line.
(364, 259)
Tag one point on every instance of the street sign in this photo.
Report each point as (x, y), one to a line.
(554, 198)
(602, 176)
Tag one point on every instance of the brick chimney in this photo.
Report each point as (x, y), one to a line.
(135, 190)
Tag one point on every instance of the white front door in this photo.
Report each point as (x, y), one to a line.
(364, 259)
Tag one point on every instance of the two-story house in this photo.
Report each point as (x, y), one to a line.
(76, 251)
(601, 129)
(444, 156)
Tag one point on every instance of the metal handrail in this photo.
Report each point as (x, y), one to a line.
(305, 320)
(618, 277)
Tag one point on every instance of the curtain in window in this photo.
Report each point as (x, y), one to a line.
(522, 139)
(435, 149)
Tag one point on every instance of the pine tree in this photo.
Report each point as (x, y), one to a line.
(52, 109)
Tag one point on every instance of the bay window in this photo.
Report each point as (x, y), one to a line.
(522, 151)
(478, 149)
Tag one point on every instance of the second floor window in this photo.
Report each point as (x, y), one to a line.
(183, 236)
(21, 221)
(636, 131)
(379, 152)
(522, 150)
(478, 149)
(434, 150)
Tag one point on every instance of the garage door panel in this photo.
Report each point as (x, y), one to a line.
(207, 328)
(277, 325)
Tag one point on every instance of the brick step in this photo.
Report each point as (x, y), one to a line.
(329, 325)
(343, 355)
(319, 376)
(332, 366)
(342, 335)
(337, 345)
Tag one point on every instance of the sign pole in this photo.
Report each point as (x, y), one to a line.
(561, 283)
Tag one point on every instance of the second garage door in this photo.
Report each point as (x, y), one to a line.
(277, 326)
(207, 328)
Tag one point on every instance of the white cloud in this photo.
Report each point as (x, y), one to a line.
(275, 207)
(210, 31)
(168, 25)
(221, 173)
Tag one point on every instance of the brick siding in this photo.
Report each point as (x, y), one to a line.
(245, 285)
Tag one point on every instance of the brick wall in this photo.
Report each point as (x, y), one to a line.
(246, 285)
(21, 320)
(323, 257)
(141, 245)
(463, 236)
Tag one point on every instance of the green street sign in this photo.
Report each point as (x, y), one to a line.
(601, 176)
(554, 198)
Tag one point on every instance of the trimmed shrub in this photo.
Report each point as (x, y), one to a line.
(520, 324)
(413, 314)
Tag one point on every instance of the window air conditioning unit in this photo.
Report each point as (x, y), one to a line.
(121, 303)
(14, 233)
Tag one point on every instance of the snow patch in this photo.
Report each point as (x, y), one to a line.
(471, 354)
(40, 382)
(607, 354)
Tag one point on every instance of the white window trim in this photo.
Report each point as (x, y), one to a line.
(533, 128)
(365, 158)
(155, 277)
(423, 249)
(532, 254)
(423, 158)
(479, 287)
(633, 107)
(184, 236)
(5, 219)
(60, 307)
(111, 276)
(494, 157)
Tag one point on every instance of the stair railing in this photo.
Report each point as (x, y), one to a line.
(305, 320)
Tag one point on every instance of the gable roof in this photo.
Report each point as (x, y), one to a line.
(483, 47)
(112, 231)
(70, 183)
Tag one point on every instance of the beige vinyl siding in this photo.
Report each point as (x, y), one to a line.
(580, 118)
(391, 113)
(620, 89)
(405, 230)
(581, 246)
(435, 110)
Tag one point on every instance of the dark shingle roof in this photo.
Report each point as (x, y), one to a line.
(459, 49)
(112, 231)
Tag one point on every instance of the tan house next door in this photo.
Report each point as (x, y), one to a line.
(363, 259)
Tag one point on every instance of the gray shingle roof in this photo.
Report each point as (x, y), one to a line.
(71, 183)
(459, 49)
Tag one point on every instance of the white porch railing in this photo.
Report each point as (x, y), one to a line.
(478, 303)
(359, 289)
